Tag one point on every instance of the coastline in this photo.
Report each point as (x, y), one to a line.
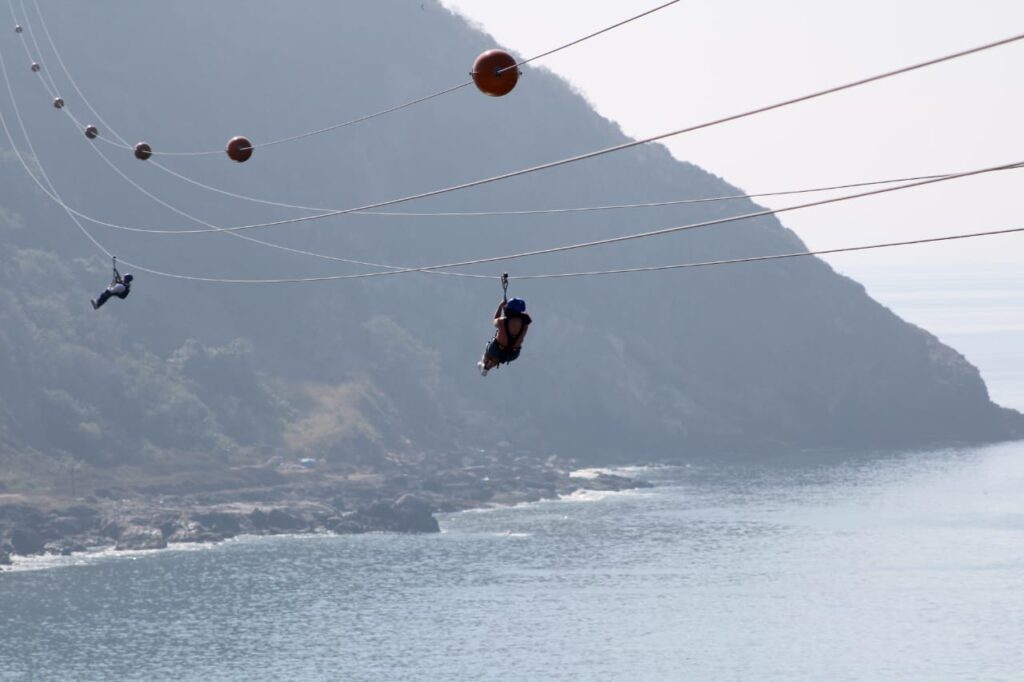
(285, 498)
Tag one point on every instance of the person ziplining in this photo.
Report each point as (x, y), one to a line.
(511, 324)
(119, 286)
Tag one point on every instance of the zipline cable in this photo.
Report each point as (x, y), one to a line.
(399, 107)
(424, 214)
(152, 196)
(780, 256)
(369, 208)
(524, 254)
(468, 214)
(125, 144)
(555, 249)
(588, 37)
(361, 119)
(42, 172)
(849, 185)
(52, 193)
(731, 261)
(50, 190)
(44, 73)
(49, 84)
(597, 242)
(279, 247)
(60, 61)
(552, 211)
(619, 147)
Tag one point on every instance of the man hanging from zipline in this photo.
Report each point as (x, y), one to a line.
(511, 323)
(119, 286)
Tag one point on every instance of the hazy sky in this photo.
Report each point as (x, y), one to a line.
(699, 60)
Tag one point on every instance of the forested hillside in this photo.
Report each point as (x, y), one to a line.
(755, 358)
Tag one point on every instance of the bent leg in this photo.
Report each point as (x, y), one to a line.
(102, 299)
(492, 355)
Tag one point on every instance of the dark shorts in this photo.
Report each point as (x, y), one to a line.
(500, 354)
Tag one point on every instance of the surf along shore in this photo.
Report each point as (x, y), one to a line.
(306, 496)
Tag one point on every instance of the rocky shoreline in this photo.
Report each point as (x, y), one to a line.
(277, 499)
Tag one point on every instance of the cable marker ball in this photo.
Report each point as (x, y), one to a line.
(239, 149)
(17, 28)
(91, 132)
(35, 67)
(58, 103)
(489, 76)
(143, 151)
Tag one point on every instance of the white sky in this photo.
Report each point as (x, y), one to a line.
(702, 59)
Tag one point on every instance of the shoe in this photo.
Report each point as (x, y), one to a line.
(483, 369)
(93, 301)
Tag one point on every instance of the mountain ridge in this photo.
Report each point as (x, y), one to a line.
(757, 358)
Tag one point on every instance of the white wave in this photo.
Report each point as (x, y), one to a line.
(94, 556)
(592, 472)
(634, 470)
(584, 495)
(489, 507)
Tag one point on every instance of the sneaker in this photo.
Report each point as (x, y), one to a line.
(483, 369)
(93, 301)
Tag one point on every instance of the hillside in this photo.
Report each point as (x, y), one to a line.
(758, 358)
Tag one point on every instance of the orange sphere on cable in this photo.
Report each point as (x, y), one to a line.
(495, 73)
(239, 149)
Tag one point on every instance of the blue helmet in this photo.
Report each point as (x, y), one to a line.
(128, 278)
(516, 305)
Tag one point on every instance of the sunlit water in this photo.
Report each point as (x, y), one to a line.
(909, 567)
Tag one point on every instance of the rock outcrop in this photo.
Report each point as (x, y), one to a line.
(140, 537)
(404, 503)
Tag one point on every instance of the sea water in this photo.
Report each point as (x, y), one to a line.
(905, 567)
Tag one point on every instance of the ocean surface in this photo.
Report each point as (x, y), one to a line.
(905, 567)
(876, 566)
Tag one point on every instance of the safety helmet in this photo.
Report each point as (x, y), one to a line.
(516, 305)
(128, 278)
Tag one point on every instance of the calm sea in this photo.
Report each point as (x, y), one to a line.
(905, 566)
(910, 567)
